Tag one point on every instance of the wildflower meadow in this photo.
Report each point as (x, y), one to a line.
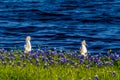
(53, 64)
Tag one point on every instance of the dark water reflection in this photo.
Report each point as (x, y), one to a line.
(61, 23)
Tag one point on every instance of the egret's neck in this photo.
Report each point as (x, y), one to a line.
(28, 42)
(84, 47)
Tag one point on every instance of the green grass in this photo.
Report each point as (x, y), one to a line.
(61, 72)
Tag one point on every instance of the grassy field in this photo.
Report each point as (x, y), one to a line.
(57, 65)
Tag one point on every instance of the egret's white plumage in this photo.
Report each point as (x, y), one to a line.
(83, 49)
(27, 46)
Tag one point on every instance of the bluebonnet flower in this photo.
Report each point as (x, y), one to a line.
(45, 52)
(18, 63)
(96, 77)
(30, 60)
(81, 61)
(87, 66)
(89, 78)
(116, 56)
(106, 63)
(51, 62)
(53, 53)
(11, 55)
(76, 65)
(29, 53)
(24, 57)
(114, 73)
(111, 63)
(99, 64)
(13, 58)
(24, 65)
(80, 56)
(34, 56)
(38, 64)
(8, 58)
(74, 55)
(89, 55)
(2, 50)
(60, 55)
(46, 59)
(32, 51)
(64, 60)
(37, 61)
(112, 56)
(61, 61)
(2, 58)
(19, 52)
(39, 51)
(4, 63)
(91, 58)
(72, 62)
(21, 57)
(45, 65)
(50, 58)
(96, 60)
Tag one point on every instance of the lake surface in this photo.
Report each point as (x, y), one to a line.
(61, 23)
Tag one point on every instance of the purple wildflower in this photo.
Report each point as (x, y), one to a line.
(80, 56)
(112, 56)
(51, 62)
(60, 54)
(4, 63)
(114, 73)
(96, 60)
(2, 51)
(37, 61)
(89, 78)
(76, 65)
(99, 64)
(24, 65)
(81, 61)
(2, 58)
(18, 63)
(29, 54)
(96, 77)
(7, 58)
(38, 64)
(45, 65)
(34, 56)
(45, 59)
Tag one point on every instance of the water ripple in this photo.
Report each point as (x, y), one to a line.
(61, 23)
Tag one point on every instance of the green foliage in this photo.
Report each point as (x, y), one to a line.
(61, 72)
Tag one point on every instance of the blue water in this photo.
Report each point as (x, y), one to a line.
(61, 23)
